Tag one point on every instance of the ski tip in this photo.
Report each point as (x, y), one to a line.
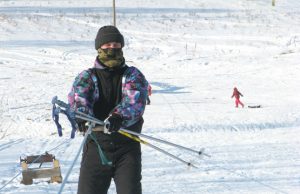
(201, 151)
(192, 165)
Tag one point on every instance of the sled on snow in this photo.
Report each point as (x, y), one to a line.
(36, 173)
(254, 106)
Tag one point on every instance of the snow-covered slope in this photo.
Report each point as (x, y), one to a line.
(193, 53)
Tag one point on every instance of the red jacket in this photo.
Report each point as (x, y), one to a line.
(236, 93)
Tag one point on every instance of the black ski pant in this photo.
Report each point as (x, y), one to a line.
(95, 178)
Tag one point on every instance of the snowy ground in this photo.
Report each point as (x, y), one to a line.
(193, 53)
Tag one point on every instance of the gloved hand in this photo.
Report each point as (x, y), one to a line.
(81, 125)
(80, 122)
(113, 123)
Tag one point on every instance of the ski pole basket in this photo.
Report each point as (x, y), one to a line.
(35, 173)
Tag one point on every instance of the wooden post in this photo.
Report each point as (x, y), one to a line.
(273, 2)
(56, 178)
(114, 12)
(27, 180)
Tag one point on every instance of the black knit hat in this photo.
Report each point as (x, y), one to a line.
(108, 34)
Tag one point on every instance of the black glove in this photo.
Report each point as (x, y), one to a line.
(81, 125)
(115, 122)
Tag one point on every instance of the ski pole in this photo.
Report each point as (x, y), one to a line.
(94, 120)
(90, 118)
(76, 157)
(155, 147)
(165, 142)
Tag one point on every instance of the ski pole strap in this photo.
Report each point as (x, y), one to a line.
(55, 117)
(104, 160)
(71, 117)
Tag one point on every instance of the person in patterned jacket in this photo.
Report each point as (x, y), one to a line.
(115, 93)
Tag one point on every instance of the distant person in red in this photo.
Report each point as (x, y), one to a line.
(237, 95)
(149, 94)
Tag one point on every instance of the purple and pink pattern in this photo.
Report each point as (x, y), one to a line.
(84, 94)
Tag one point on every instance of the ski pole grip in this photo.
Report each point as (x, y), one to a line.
(59, 102)
(54, 99)
(62, 104)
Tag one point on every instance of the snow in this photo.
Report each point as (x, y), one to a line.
(193, 53)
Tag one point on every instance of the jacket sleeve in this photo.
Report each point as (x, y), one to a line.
(149, 90)
(81, 95)
(134, 95)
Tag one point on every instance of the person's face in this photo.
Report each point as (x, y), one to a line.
(111, 45)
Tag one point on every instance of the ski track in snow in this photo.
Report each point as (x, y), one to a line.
(193, 53)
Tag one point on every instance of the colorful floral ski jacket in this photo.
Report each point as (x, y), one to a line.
(85, 93)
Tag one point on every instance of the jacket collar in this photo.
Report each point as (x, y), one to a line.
(99, 65)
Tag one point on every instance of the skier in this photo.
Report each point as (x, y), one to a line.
(237, 95)
(149, 94)
(116, 93)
